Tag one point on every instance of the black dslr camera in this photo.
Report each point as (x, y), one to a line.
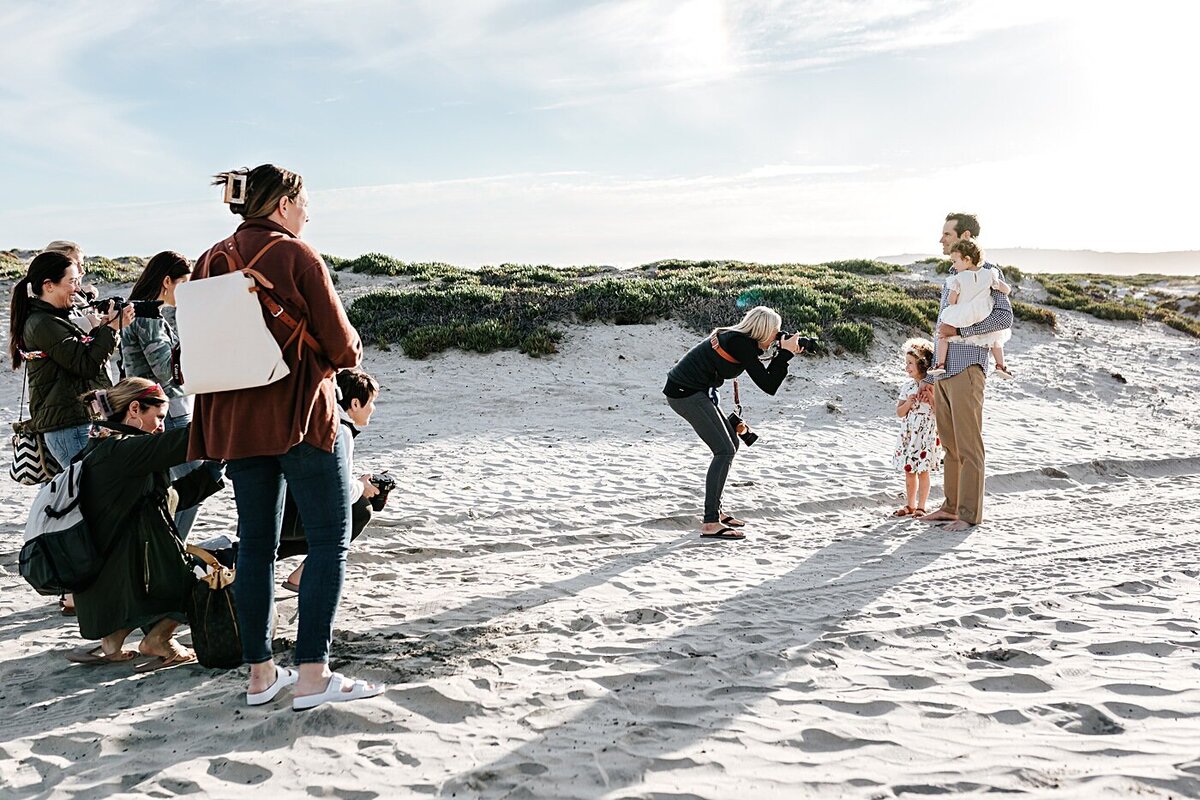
(384, 483)
(145, 309)
(807, 342)
(742, 429)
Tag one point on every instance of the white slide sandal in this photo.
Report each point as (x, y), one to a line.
(339, 690)
(283, 679)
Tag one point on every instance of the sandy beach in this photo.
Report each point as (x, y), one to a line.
(550, 625)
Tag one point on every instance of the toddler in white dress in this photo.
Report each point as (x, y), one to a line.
(970, 302)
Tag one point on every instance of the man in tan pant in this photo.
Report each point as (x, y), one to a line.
(958, 397)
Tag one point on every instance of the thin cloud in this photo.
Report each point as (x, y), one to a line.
(44, 110)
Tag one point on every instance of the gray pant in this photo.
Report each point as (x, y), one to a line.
(706, 418)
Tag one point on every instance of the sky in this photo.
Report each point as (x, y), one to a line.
(616, 132)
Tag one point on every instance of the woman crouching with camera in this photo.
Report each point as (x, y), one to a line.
(128, 499)
(691, 392)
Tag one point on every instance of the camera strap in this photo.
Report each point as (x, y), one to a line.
(737, 398)
(721, 351)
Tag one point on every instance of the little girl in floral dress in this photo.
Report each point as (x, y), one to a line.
(919, 450)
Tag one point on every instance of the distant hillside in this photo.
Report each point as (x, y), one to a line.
(1029, 259)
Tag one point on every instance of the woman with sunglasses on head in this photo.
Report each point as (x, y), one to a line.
(284, 435)
(128, 498)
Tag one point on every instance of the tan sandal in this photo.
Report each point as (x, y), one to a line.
(907, 511)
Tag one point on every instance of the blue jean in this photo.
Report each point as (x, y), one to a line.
(64, 443)
(320, 484)
(184, 518)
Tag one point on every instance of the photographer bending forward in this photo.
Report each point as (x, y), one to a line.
(691, 393)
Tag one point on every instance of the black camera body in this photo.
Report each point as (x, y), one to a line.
(384, 483)
(807, 342)
(144, 309)
(742, 429)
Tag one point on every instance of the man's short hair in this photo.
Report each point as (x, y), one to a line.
(964, 223)
(356, 384)
(968, 250)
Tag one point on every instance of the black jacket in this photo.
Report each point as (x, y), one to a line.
(703, 368)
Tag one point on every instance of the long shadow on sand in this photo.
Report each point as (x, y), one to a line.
(615, 740)
(67, 696)
(483, 609)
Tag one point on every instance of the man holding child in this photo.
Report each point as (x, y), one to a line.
(958, 396)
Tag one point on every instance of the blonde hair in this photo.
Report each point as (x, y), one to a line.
(113, 404)
(921, 350)
(69, 249)
(759, 323)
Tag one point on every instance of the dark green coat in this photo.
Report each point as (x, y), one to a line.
(74, 365)
(124, 479)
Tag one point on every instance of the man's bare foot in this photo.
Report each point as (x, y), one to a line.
(958, 525)
(711, 527)
(940, 515)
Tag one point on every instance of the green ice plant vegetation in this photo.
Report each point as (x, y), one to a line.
(431, 307)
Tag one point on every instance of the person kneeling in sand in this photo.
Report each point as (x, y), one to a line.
(128, 500)
(691, 392)
(970, 301)
(357, 391)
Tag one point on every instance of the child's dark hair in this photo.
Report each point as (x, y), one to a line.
(969, 251)
(356, 384)
(922, 351)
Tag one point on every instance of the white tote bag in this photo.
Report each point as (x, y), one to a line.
(224, 343)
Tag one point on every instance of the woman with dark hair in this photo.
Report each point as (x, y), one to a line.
(61, 361)
(691, 391)
(285, 431)
(148, 349)
(127, 498)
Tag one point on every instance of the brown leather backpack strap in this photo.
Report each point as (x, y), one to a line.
(269, 301)
(263, 252)
(721, 351)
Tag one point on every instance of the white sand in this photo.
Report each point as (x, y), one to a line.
(551, 627)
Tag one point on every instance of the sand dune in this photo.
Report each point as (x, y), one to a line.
(551, 627)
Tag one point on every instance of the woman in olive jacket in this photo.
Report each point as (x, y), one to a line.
(62, 361)
(128, 499)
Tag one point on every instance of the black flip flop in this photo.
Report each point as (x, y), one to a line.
(728, 519)
(724, 533)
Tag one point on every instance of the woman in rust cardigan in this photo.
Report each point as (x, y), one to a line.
(285, 432)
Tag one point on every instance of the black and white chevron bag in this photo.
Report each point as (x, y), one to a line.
(32, 463)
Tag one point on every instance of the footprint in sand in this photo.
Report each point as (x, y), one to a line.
(238, 772)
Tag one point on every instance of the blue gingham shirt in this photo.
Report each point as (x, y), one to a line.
(960, 355)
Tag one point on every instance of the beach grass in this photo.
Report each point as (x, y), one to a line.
(439, 306)
(1128, 297)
